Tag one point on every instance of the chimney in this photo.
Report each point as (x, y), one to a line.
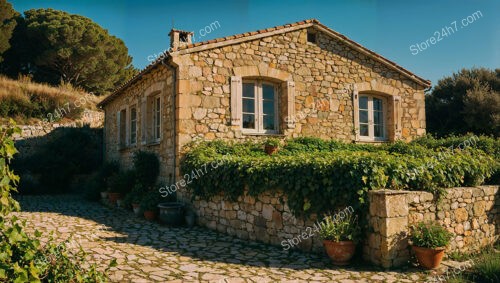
(179, 38)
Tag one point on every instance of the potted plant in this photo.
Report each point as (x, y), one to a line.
(104, 195)
(429, 241)
(149, 205)
(339, 237)
(133, 199)
(271, 145)
(119, 185)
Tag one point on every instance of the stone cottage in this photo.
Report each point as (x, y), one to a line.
(300, 79)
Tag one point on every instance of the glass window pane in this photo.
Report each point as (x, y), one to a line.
(363, 130)
(377, 117)
(248, 121)
(377, 104)
(248, 90)
(249, 105)
(363, 116)
(268, 107)
(363, 102)
(268, 91)
(269, 122)
(378, 131)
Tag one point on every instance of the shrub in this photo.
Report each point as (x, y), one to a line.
(122, 182)
(68, 152)
(98, 181)
(147, 167)
(317, 181)
(134, 196)
(430, 235)
(486, 267)
(339, 229)
(150, 201)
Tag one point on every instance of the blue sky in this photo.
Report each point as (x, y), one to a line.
(388, 27)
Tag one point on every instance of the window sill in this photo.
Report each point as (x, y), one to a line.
(262, 134)
(153, 143)
(371, 141)
(127, 147)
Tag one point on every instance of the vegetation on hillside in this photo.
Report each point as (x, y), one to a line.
(24, 100)
(466, 102)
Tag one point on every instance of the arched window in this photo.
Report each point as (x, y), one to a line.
(372, 117)
(259, 107)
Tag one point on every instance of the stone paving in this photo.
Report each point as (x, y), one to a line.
(149, 252)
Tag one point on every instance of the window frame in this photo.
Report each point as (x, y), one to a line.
(258, 107)
(131, 122)
(122, 128)
(371, 125)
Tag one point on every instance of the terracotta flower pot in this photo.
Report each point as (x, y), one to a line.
(270, 149)
(113, 197)
(149, 215)
(429, 258)
(340, 252)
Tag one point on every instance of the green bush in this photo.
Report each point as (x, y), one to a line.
(150, 201)
(324, 178)
(430, 235)
(147, 167)
(67, 152)
(98, 181)
(123, 182)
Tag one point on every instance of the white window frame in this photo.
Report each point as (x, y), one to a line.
(371, 128)
(130, 121)
(259, 117)
(122, 128)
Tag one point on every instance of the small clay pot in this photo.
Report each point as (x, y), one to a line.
(113, 197)
(149, 215)
(429, 258)
(340, 252)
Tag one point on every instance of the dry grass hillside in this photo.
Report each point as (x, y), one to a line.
(28, 102)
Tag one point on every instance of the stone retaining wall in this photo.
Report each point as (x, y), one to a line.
(472, 214)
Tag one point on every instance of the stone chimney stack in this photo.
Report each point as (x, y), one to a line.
(179, 38)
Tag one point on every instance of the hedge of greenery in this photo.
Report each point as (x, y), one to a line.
(320, 176)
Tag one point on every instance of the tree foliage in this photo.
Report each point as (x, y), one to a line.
(7, 25)
(56, 46)
(468, 101)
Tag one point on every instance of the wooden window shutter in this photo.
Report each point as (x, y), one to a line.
(236, 100)
(355, 107)
(118, 127)
(143, 120)
(398, 114)
(290, 95)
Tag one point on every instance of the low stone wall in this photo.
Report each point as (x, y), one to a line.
(471, 214)
(266, 218)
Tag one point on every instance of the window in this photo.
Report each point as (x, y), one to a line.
(122, 128)
(156, 118)
(311, 36)
(133, 125)
(371, 118)
(260, 107)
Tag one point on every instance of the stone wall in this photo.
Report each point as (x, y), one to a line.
(471, 214)
(33, 136)
(266, 218)
(158, 81)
